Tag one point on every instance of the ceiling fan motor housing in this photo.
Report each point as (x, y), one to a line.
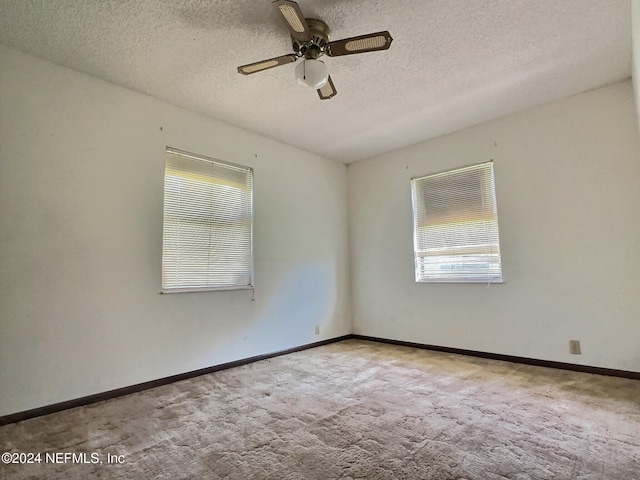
(319, 38)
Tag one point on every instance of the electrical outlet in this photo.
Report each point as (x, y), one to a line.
(317, 329)
(574, 347)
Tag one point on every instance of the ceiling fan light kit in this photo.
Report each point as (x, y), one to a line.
(310, 41)
(312, 73)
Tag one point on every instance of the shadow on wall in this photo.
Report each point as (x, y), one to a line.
(306, 296)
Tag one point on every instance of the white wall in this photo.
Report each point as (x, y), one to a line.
(568, 191)
(635, 51)
(81, 191)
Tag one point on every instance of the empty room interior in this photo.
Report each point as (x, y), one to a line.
(428, 267)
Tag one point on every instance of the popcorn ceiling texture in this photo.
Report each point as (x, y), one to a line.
(453, 63)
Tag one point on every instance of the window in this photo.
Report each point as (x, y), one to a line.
(455, 226)
(208, 224)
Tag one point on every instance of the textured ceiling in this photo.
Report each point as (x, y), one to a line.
(453, 63)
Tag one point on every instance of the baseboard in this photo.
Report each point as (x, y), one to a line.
(119, 392)
(508, 358)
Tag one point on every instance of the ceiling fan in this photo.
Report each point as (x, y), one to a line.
(310, 38)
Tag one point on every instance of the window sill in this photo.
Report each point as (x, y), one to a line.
(206, 289)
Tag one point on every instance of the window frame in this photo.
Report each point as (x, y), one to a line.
(488, 277)
(220, 163)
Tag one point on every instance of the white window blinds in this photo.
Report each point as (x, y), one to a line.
(208, 224)
(455, 226)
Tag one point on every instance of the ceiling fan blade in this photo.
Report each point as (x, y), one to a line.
(267, 64)
(291, 13)
(364, 43)
(328, 91)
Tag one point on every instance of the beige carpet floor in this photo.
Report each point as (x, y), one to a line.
(350, 410)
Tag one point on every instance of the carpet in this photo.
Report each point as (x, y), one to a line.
(348, 410)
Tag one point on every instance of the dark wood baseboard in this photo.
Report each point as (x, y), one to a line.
(119, 392)
(507, 358)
